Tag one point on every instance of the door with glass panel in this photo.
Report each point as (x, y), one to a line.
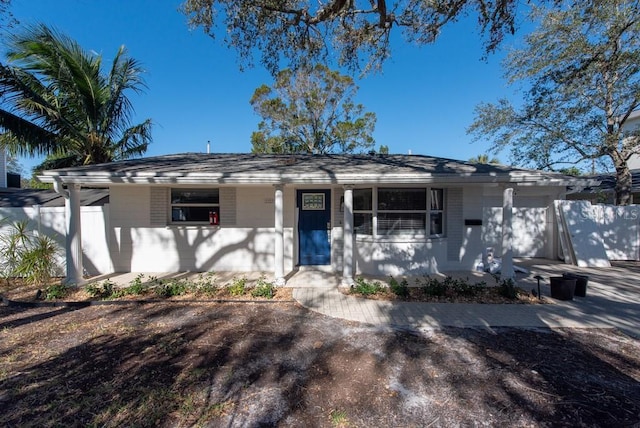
(314, 227)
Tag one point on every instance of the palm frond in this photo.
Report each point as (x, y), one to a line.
(25, 138)
(55, 89)
(134, 142)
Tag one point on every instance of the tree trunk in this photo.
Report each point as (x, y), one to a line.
(623, 182)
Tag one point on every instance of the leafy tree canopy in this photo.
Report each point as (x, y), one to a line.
(301, 32)
(582, 68)
(311, 111)
(57, 101)
(572, 170)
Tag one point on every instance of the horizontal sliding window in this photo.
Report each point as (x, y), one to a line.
(195, 206)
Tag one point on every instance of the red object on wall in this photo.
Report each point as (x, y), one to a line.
(213, 218)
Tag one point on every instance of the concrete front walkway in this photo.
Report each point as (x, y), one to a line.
(613, 301)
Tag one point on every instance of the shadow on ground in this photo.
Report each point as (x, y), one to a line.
(178, 364)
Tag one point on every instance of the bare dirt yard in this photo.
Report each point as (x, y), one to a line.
(181, 363)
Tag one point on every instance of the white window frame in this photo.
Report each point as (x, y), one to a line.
(390, 210)
(441, 211)
(369, 211)
(211, 206)
(311, 198)
(427, 212)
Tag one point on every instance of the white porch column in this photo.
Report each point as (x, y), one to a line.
(73, 246)
(507, 271)
(347, 257)
(279, 238)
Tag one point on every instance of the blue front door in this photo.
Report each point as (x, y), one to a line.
(314, 227)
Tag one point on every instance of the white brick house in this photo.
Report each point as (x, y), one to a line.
(351, 214)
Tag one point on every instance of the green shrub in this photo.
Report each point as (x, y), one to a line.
(400, 289)
(507, 288)
(238, 287)
(205, 284)
(462, 287)
(92, 289)
(136, 286)
(103, 290)
(263, 289)
(38, 262)
(55, 291)
(171, 288)
(107, 290)
(366, 288)
(27, 254)
(433, 287)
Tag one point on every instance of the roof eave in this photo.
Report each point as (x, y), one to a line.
(107, 179)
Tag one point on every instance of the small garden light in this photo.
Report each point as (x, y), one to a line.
(539, 278)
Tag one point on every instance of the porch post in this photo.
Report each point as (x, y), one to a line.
(279, 238)
(347, 257)
(73, 246)
(506, 271)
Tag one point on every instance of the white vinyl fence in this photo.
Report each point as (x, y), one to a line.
(592, 235)
(51, 222)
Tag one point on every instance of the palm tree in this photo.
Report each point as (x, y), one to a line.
(56, 101)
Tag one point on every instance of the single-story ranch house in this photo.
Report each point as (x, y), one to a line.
(350, 214)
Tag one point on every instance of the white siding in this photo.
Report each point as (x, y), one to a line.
(228, 206)
(454, 223)
(159, 200)
(140, 240)
(130, 206)
(472, 244)
(255, 206)
(141, 246)
(198, 248)
(400, 256)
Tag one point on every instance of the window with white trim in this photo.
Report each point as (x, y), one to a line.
(196, 206)
(399, 211)
(436, 212)
(363, 211)
(402, 211)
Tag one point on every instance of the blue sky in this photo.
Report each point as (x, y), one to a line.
(424, 98)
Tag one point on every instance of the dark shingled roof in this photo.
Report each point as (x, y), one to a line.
(192, 168)
(18, 198)
(608, 183)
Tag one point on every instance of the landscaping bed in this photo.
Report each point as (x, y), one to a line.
(443, 290)
(205, 286)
